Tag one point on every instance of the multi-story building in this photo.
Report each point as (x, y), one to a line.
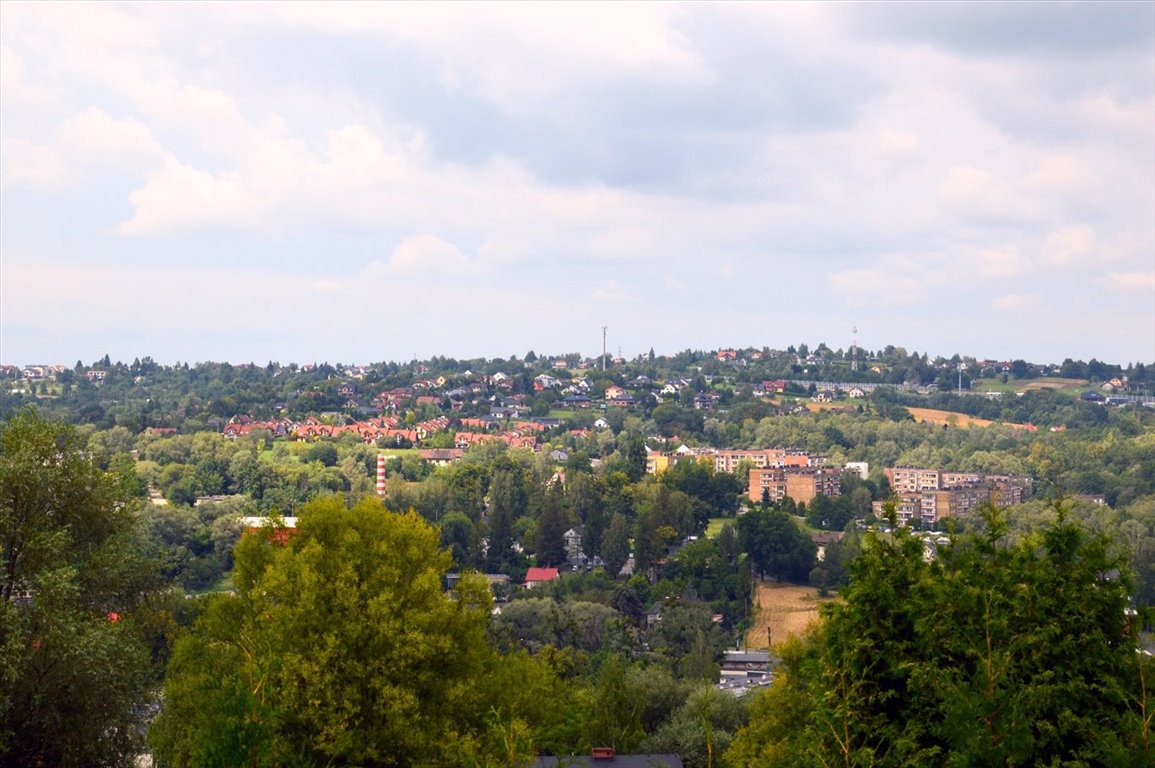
(931, 495)
(728, 461)
(912, 480)
(802, 484)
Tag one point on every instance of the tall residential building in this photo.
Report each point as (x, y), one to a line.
(802, 484)
(932, 495)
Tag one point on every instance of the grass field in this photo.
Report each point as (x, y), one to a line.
(1026, 385)
(400, 452)
(714, 527)
(783, 609)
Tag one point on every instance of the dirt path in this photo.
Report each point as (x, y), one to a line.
(785, 609)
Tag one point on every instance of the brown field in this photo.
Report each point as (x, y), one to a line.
(843, 406)
(938, 418)
(785, 609)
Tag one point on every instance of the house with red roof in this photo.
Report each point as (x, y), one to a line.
(535, 576)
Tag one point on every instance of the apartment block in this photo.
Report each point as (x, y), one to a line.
(802, 484)
(728, 461)
(931, 495)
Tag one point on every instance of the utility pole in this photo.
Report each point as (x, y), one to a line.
(604, 329)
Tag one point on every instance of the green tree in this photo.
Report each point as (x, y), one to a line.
(994, 652)
(507, 502)
(72, 578)
(616, 545)
(634, 457)
(549, 534)
(339, 647)
(776, 545)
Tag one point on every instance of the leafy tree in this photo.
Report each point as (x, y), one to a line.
(616, 545)
(583, 496)
(457, 536)
(689, 640)
(339, 647)
(551, 526)
(73, 669)
(993, 653)
(508, 501)
(830, 513)
(776, 545)
(634, 457)
(324, 452)
(701, 729)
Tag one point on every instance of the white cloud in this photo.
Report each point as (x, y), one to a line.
(1067, 245)
(180, 199)
(1001, 262)
(426, 254)
(87, 143)
(1130, 282)
(610, 292)
(870, 287)
(1017, 302)
(34, 165)
(604, 153)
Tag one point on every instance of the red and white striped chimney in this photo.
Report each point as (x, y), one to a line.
(381, 475)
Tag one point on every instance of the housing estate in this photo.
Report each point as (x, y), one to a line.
(932, 495)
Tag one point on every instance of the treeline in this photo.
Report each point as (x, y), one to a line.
(192, 398)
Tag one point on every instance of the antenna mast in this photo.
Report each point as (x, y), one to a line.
(854, 348)
(604, 329)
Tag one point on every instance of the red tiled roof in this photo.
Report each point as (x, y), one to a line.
(537, 575)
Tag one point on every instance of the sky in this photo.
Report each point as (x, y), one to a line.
(354, 183)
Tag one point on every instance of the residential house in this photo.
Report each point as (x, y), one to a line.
(705, 401)
(749, 667)
(623, 400)
(573, 546)
(441, 456)
(538, 576)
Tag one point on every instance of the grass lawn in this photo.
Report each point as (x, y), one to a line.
(399, 452)
(223, 584)
(714, 527)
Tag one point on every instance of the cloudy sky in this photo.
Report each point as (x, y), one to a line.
(356, 183)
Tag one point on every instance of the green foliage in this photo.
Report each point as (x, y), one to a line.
(73, 664)
(551, 527)
(776, 545)
(701, 729)
(992, 653)
(616, 545)
(535, 623)
(339, 646)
